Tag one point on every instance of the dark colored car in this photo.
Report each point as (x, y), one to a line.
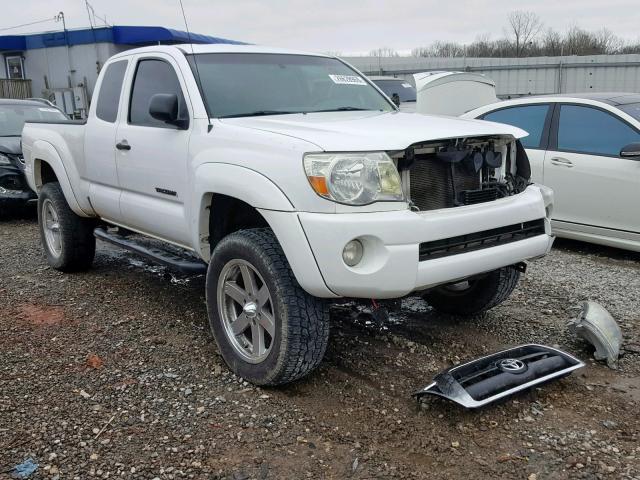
(14, 191)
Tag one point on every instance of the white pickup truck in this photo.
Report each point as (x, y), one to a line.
(297, 181)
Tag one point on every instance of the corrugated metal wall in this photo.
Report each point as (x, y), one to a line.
(524, 76)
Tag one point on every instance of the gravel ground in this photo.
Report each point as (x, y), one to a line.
(113, 373)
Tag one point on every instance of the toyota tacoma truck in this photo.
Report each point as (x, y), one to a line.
(293, 180)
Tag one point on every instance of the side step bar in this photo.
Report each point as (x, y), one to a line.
(163, 257)
(491, 378)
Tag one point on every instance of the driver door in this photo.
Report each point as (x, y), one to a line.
(152, 155)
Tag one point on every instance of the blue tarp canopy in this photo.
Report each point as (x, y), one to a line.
(119, 35)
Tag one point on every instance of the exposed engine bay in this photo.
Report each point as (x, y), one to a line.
(462, 171)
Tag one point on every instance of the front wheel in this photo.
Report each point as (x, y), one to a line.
(268, 329)
(474, 296)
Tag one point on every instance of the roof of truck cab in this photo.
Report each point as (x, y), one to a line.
(188, 49)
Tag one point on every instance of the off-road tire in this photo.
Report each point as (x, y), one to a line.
(78, 245)
(483, 294)
(301, 320)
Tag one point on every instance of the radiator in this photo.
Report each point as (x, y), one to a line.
(434, 184)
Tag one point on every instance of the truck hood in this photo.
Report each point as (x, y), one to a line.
(362, 131)
(10, 145)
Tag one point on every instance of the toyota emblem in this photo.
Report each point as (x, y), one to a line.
(512, 365)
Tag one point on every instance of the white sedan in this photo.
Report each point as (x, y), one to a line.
(587, 148)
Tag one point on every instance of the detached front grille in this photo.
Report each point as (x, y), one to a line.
(496, 376)
(480, 240)
(435, 184)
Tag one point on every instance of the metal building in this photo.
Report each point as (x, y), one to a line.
(515, 77)
(63, 66)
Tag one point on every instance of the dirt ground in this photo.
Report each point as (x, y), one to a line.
(113, 373)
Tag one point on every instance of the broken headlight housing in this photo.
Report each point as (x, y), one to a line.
(354, 178)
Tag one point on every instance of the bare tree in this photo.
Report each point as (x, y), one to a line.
(447, 49)
(523, 26)
(551, 43)
(525, 40)
(383, 52)
(608, 42)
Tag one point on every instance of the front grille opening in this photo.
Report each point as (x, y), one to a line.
(457, 171)
(480, 240)
(485, 379)
(435, 184)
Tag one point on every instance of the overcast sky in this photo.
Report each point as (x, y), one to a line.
(346, 26)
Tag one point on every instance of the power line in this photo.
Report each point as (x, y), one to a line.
(91, 11)
(27, 24)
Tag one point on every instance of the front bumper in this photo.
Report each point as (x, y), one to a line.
(391, 266)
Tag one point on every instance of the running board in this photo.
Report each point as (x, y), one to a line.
(163, 257)
(491, 378)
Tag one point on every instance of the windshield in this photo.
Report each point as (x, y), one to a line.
(632, 109)
(250, 84)
(405, 90)
(13, 116)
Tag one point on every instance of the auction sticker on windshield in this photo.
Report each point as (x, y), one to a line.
(347, 80)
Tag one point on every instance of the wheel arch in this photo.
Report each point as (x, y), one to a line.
(229, 185)
(49, 167)
(230, 198)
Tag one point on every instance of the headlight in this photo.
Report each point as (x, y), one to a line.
(4, 160)
(354, 178)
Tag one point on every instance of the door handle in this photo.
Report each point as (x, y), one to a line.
(563, 162)
(123, 145)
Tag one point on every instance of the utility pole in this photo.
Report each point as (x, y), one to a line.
(60, 18)
(560, 68)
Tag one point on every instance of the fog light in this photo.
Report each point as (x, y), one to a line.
(352, 253)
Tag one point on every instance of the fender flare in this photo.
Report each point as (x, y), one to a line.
(278, 211)
(234, 181)
(44, 152)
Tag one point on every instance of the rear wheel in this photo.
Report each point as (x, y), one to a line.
(67, 238)
(268, 329)
(474, 296)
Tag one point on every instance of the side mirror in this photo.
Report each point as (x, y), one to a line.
(631, 151)
(395, 98)
(164, 107)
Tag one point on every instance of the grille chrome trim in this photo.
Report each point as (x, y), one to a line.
(480, 240)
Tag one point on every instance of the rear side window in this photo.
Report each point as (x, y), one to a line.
(592, 131)
(153, 77)
(530, 118)
(109, 96)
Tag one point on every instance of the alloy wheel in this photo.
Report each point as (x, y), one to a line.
(246, 310)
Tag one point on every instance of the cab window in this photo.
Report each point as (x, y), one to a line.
(109, 96)
(530, 118)
(153, 77)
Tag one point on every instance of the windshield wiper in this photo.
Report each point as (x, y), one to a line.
(342, 109)
(260, 113)
(3, 136)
